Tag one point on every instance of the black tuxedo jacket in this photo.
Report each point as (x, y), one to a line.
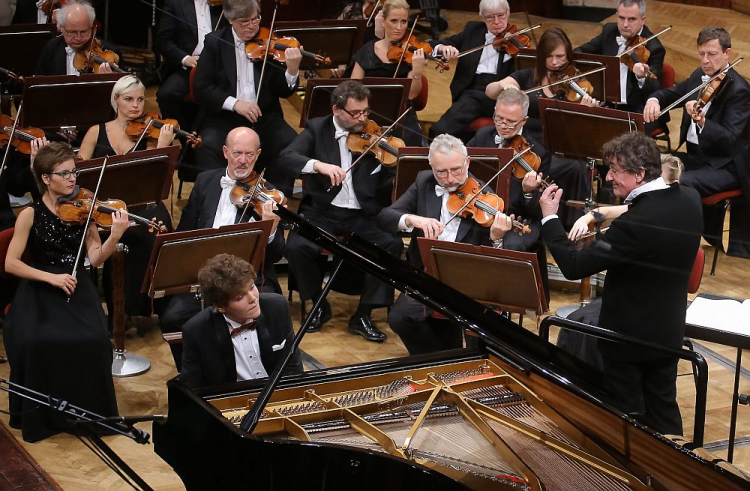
(420, 199)
(178, 31)
(517, 205)
(208, 354)
(52, 60)
(470, 37)
(648, 253)
(606, 44)
(373, 183)
(216, 77)
(201, 211)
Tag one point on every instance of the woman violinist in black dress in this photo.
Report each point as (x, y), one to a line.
(56, 333)
(372, 61)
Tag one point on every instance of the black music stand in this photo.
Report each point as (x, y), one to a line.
(68, 101)
(388, 98)
(606, 83)
(22, 46)
(485, 162)
(137, 178)
(337, 39)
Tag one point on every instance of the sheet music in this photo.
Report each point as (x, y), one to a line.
(723, 315)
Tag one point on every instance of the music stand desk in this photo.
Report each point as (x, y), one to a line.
(22, 46)
(337, 39)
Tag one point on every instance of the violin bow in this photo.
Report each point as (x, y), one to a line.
(632, 48)
(372, 14)
(268, 49)
(700, 87)
(375, 142)
(509, 36)
(471, 198)
(252, 193)
(568, 79)
(10, 138)
(88, 220)
(140, 137)
(404, 47)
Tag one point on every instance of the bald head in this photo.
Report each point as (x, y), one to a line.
(241, 150)
(75, 21)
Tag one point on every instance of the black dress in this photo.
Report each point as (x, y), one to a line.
(138, 240)
(374, 67)
(54, 346)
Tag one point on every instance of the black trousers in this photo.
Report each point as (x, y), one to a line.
(412, 321)
(171, 98)
(303, 254)
(471, 104)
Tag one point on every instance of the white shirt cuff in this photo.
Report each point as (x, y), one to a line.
(436, 50)
(652, 99)
(183, 61)
(291, 80)
(402, 227)
(309, 167)
(641, 81)
(270, 238)
(548, 218)
(229, 103)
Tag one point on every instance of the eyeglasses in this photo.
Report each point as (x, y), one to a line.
(358, 114)
(66, 174)
(455, 172)
(491, 17)
(502, 123)
(248, 22)
(78, 34)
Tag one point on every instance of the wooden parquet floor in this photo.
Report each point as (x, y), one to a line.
(76, 468)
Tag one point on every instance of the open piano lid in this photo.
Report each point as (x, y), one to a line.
(344, 427)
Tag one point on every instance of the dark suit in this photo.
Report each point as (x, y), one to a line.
(372, 185)
(215, 80)
(52, 59)
(208, 356)
(409, 318)
(467, 88)
(648, 253)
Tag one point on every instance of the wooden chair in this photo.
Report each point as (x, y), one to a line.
(666, 79)
(723, 199)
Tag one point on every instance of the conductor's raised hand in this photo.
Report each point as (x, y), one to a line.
(550, 200)
(334, 172)
(429, 226)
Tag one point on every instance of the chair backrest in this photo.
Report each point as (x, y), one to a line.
(420, 102)
(5, 238)
(696, 274)
(667, 76)
(190, 97)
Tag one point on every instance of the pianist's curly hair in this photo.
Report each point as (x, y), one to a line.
(224, 277)
(633, 152)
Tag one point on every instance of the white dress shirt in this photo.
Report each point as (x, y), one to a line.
(450, 231)
(246, 352)
(70, 54)
(622, 42)
(488, 59)
(203, 23)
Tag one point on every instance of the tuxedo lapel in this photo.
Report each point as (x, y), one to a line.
(211, 203)
(221, 331)
(433, 203)
(228, 57)
(188, 11)
(330, 143)
(61, 57)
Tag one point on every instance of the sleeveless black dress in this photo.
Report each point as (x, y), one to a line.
(54, 346)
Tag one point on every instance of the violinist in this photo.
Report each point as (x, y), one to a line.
(55, 333)
(716, 137)
(372, 60)
(423, 210)
(75, 21)
(320, 156)
(474, 71)
(363, 9)
(210, 206)
(227, 85)
(635, 85)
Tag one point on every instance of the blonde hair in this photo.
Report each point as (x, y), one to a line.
(394, 5)
(671, 168)
(125, 84)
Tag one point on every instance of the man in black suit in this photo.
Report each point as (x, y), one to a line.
(340, 199)
(423, 210)
(243, 335)
(183, 25)
(717, 135)
(474, 71)
(635, 85)
(227, 84)
(75, 21)
(648, 254)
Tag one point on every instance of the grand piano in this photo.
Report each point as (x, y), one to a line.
(517, 414)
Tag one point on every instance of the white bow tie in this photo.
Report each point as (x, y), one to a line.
(489, 36)
(69, 50)
(226, 182)
(621, 40)
(499, 140)
(440, 190)
(705, 78)
(341, 134)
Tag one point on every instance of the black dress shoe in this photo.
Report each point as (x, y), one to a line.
(320, 317)
(365, 328)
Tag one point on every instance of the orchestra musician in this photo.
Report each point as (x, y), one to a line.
(227, 85)
(75, 21)
(321, 157)
(635, 85)
(55, 333)
(716, 137)
(242, 335)
(359, 10)
(648, 253)
(371, 60)
(183, 25)
(423, 210)
(209, 206)
(474, 71)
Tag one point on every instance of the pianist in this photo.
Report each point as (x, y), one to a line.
(242, 335)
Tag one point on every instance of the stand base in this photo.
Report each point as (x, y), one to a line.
(129, 365)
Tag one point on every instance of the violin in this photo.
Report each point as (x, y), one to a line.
(528, 162)
(405, 48)
(89, 60)
(481, 207)
(22, 137)
(571, 90)
(255, 49)
(254, 192)
(74, 209)
(707, 94)
(369, 9)
(636, 52)
(511, 41)
(386, 150)
(136, 127)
